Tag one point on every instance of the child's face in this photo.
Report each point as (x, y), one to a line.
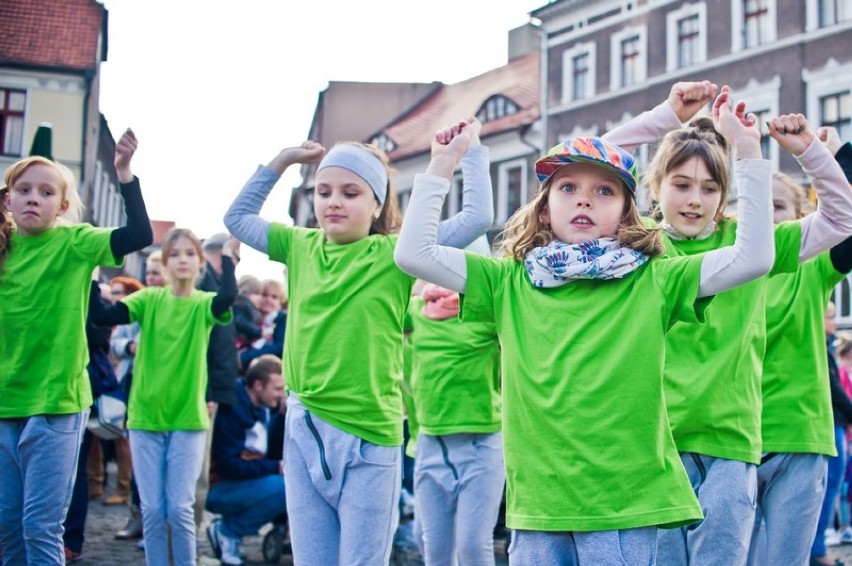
(183, 262)
(154, 274)
(783, 202)
(270, 300)
(35, 199)
(690, 197)
(344, 205)
(584, 202)
(255, 299)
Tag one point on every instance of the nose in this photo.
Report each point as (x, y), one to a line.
(583, 200)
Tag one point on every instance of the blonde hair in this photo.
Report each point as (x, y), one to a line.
(278, 286)
(679, 146)
(68, 185)
(525, 230)
(169, 240)
(800, 197)
(249, 285)
(7, 226)
(843, 344)
(390, 217)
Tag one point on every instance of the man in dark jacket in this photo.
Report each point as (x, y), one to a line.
(247, 487)
(221, 360)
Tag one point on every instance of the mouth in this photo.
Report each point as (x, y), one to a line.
(582, 221)
(692, 215)
(334, 217)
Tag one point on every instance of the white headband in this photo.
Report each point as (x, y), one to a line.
(362, 163)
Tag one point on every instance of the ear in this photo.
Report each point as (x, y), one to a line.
(544, 215)
(63, 208)
(7, 200)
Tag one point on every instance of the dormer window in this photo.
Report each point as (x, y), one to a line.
(384, 143)
(495, 108)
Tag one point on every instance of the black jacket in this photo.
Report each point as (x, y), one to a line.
(222, 351)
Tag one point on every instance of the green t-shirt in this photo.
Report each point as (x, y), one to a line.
(797, 412)
(586, 437)
(713, 371)
(408, 394)
(44, 300)
(455, 374)
(343, 348)
(170, 371)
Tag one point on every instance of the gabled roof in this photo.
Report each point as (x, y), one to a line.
(412, 132)
(48, 33)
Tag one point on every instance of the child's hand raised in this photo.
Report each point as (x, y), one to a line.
(830, 138)
(738, 128)
(124, 150)
(231, 248)
(792, 132)
(308, 152)
(688, 98)
(450, 144)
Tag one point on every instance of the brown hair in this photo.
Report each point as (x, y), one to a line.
(172, 236)
(130, 284)
(679, 146)
(843, 344)
(261, 368)
(525, 230)
(249, 285)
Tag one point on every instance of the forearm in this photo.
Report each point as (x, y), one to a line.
(243, 217)
(227, 291)
(647, 127)
(832, 221)
(102, 315)
(122, 337)
(417, 251)
(753, 252)
(477, 213)
(137, 233)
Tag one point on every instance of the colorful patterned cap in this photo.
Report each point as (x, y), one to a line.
(589, 150)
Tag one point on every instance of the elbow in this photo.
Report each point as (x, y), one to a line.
(147, 237)
(230, 221)
(760, 267)
(403, 261)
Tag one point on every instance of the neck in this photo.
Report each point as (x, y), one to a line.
(183, 287)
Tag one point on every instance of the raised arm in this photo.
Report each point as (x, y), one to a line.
(243, 217)
(228, 289)
(831, 223)
(753, 252)
(477, 213)
(417, 251)
(137, 233)
(685, 100)
(101, 314)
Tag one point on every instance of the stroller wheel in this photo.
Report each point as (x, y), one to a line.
(273, 544)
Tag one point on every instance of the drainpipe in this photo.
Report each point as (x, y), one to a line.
(542, 94)
(87, 203)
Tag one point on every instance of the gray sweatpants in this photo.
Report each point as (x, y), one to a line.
(791, 488)
(627, 547)
(727, 492)
(458, 486)
(342, 492)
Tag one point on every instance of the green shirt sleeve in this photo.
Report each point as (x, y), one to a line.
(477, 303)
(679, 279)
(788, 242)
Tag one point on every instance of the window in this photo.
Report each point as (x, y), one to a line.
(578, 75)
(511, 188)
(761, 99)
(764, 116)
(453, 202)
(384, 143)
(836, 111)
(12, 106)
(834, 11)
(752, 23)
(629, 49)
(686, 36)
(688, 33)
(495, 108)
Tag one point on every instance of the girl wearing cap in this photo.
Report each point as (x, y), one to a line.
(458, 468)
(713, 373)
(583, 486)
(343, 348)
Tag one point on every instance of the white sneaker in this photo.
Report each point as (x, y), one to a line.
(832, 537)
(846, 537)
(230, 547)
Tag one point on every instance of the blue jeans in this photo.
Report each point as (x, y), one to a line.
(836, 467)
(631, 547)
(38, 463)
(247, 505)
(166, 466)
(78, 509)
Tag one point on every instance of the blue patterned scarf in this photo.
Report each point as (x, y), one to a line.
(559, 263)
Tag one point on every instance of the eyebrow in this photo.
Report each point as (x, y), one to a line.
(688, 178)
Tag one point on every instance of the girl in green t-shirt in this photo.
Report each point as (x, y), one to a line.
(797, 424)
(582, 306)
(343, 349)
(47, 260)
(713, 373)
(167, 412)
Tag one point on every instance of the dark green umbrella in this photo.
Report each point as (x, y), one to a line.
(43, 141)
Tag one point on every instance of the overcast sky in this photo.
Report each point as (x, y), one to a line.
(212, 89)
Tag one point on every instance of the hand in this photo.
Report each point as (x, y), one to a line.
(131, 348)
(232, 249)
(830, 138)
(688, 98)
(792, 132)
(738, 128)
(211, 408)
(308, 152)
(124, 150)
(448, 147)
